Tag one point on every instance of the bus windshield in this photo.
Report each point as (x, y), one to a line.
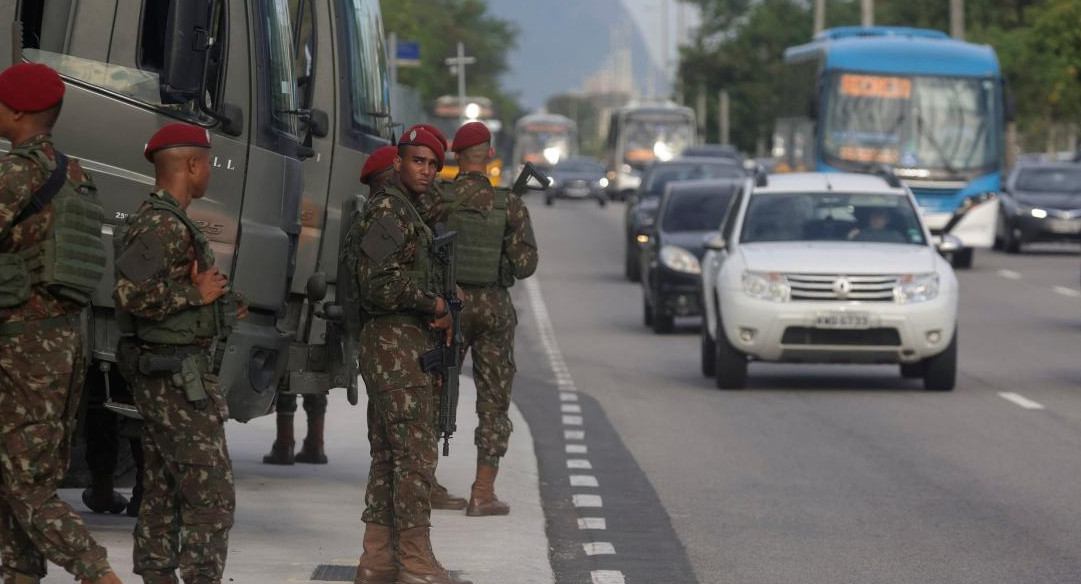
(648, 138)
(945, 125)
(544, 145)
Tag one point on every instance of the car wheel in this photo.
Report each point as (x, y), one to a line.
(601, 202)
(647, 313)
(1011, 242)
(962, 259)
(731, 365)
(940, 371)
(912, 370)
(663, 323)
(709, 352)
(631, 269)
(548, 201)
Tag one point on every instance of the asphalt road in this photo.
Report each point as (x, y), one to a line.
(827, 474)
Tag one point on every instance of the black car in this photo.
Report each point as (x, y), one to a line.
(724, 151)
(690, 212)
(1041, 202)
(577, 178)
(642, 208)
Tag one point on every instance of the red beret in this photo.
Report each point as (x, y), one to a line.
(435, 132)
(470, 135)
(420, 137)
(30, 87)
(176, 135)
(379, 161)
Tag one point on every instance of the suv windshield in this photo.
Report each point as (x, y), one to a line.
(699, 210)
(831, 217)
(660, 175)
(1052, 180)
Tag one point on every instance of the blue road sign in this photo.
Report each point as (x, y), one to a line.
(408, 54)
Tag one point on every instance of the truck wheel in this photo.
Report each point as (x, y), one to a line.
(962, 260)
(940, 371)
(912, 370)
(731, 365)
(631, 269)
(709, 352)
(647, 313)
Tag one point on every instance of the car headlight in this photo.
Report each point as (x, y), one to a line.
(1038, 213)
(766, 286)
(913, 288)
(552, 182)
(680, 260)
(603, 183)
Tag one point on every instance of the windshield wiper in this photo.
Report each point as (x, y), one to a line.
(934, 144)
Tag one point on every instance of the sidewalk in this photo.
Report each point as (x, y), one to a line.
(294, 520)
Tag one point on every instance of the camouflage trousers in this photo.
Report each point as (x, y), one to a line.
(39, 396)
(488, 321)
(188, 493)
(401, 424)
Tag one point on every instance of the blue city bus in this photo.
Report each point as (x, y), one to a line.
(930, 108)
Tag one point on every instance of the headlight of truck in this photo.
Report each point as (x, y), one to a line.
(766, 286)
(680, 260)
(914, 288)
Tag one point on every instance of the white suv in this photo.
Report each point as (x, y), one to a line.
(828, 268)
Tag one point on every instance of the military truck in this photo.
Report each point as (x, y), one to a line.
(287, 146)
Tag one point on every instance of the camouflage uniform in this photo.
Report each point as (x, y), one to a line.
(41, 379)
(398, 300)
(488, 318)
(188, 498)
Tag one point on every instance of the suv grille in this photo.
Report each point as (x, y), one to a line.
(837, 288)
(800, 335)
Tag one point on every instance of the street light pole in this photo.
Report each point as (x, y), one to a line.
(820, 16)
(957, 19)
(457, 65)
(867, 12)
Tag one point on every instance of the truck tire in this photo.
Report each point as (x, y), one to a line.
(631, 269)
(940, 371)
(962, 259)
(709, 353)
(731, 365)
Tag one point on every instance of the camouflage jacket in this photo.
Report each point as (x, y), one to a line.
(168, 288)
(385, 248)
(20, 178)
(519, 243)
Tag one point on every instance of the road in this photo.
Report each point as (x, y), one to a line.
(814, 474)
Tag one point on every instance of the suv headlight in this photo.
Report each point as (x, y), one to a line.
(913, 288)
(766, 286)
(680, 260)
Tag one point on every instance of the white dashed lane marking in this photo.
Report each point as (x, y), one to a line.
(571, 408)
(1021, 400)
(597, 523)
(1070, 292)
(587, 501)
(578, 463)
(584, 481)
(1009, 274)
(598, 548)
(607, 577)
(572, 420)
(568, 397)
(574, 434)
(576, 449)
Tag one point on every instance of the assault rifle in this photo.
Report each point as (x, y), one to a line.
(447, 359)
(521, 185)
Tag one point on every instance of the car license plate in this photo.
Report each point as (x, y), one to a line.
(577, 192)
(1064, 226)
(843, 320)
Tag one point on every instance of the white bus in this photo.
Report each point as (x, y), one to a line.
(641, 134)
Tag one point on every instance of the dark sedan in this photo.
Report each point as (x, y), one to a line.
(689, 213)
(1041, 202)
(642, 209)
(577, 178)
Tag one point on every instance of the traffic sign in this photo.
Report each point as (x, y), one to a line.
(408, 54)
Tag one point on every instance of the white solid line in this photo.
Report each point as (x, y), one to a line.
(571, 408)
(568, 397)
(576, 449)
(584, 481)
(1067, 291)
(607, 577)
(574, 434)
(578, 463)
(592, 523)
(587, 501)
(1009, 274)
(572, 420)
(598, 548)
(1020, 400)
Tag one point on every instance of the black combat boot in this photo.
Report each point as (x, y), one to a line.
(312, 451)
(101, 496)
(282, 450)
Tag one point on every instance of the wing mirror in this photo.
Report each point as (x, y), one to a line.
(187, 42)
(948, 244)
(715, 242)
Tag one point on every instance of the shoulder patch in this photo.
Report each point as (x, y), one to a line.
(143, 258)
(382, 238)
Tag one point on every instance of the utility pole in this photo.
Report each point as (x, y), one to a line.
(700, 111)
(820, 16)
(957, 19)
(457, 65)
(392, 54)
(724, 137)
(666, 84)
(867, 12)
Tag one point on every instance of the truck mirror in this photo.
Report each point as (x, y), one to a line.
(317, 287)
(187, 42)
(318, 123)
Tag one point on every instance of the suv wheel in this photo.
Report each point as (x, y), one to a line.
(709, 352)
(940, 371)
(631, 269)
(663, 323)
(731, 365)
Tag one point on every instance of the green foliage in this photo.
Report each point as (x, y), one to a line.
(438, 25)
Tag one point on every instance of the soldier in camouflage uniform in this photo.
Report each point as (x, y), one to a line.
(495, 247)
(177, 301)
(41, 352)
(396, 284)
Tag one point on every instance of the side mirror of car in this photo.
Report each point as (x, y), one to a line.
(715, 242)
(948, 244)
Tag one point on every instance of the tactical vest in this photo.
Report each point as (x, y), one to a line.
(70, 260)
(479, 246)
(210, 321)
(422, 272)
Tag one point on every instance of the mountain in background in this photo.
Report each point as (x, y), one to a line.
(563, 42)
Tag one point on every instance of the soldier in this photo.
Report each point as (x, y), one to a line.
(495, 247)
(41, 343)
(179, 308)
(396, 283)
